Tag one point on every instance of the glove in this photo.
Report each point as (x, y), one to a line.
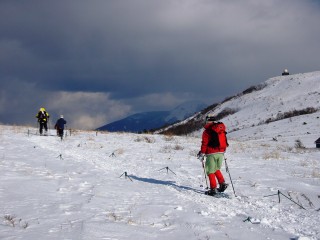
(200, 156)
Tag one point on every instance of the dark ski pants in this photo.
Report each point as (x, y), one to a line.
(60, 132)
(43, 125)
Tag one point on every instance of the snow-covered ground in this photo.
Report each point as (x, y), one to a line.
(129, 186)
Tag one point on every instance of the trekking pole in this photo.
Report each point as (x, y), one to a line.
(204, 172)
(227, 169)
(49, 126)
(38, 128)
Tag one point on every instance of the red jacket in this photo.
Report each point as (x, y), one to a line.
(206, 137)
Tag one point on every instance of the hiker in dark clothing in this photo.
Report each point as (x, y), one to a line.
(60, 126)
(43, 118)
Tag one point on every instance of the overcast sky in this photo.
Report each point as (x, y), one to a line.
(99, 61)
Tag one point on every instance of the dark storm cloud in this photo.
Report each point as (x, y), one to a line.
(143, 55)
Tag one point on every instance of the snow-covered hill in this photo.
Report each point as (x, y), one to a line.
(262, 111)
(128, 186)
(96, 185)
(277, 96)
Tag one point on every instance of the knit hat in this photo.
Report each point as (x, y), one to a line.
(210, 118)
(61, 116)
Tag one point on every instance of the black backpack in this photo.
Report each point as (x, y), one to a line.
(42, 115)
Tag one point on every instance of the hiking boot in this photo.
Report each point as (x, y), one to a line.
(223, 187)
(211, 192)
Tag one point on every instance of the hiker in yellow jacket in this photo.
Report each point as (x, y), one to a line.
(43, 118)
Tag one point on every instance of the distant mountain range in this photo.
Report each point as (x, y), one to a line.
(145, 121)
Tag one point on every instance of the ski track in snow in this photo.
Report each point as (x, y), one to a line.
(78, 189)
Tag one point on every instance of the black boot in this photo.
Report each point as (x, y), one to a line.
(223, 187)
(211, 192)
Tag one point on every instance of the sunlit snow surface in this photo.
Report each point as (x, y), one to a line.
(96, 185)
(127, 186)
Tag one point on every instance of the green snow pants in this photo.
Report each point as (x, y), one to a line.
(214, 162)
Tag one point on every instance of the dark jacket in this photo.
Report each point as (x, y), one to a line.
(42, 116)
(60, 123)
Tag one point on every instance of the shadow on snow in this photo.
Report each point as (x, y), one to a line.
(166, 183)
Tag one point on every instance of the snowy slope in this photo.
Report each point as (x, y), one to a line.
(256, 112)
(280, 95)
(78, 189)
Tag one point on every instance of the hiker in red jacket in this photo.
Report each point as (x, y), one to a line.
(213, 145)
